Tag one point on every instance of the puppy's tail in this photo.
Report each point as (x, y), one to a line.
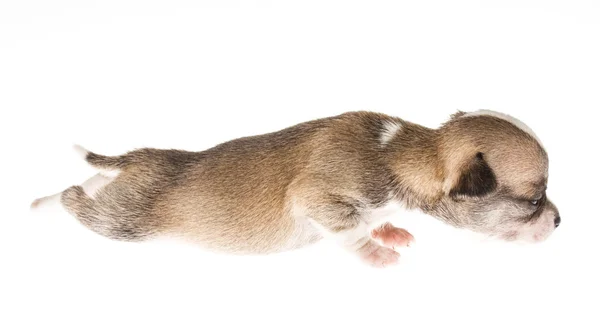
(106, 164)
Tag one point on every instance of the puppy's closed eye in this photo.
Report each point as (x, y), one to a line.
(537, 206)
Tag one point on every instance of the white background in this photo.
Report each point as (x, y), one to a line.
(117, 75)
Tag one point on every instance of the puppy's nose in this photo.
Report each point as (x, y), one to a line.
(557, 221)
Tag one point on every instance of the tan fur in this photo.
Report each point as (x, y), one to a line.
(326, 177)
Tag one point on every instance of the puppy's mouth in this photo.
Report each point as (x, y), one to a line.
(525, 236)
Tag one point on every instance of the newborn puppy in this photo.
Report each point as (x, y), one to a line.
(336, 177)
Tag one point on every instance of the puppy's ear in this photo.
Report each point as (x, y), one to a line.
(476, 179)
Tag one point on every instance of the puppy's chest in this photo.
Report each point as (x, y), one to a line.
(307, 231)
(377, 215)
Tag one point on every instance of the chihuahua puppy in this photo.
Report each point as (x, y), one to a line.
(334, 177)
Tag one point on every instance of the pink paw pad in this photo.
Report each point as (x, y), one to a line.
(392, 237)
(378, 256)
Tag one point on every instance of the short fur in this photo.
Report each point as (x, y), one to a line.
(476, 179)
(328, 177)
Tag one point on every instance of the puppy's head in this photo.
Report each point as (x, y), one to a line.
(496, 173)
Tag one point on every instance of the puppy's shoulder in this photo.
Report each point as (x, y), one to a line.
(362, 129)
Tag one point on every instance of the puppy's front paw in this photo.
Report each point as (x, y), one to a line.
(392, 237)
(378, 256)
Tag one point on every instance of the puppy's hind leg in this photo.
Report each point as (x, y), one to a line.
(46, 201)
(109, 168)
(103, 216)
(77, 202)
(90, 186)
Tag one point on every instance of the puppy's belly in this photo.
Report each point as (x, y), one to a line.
(242, 231)
(253, 239)
(235, 205)
(304, 233)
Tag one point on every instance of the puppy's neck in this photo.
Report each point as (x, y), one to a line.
(414, 160)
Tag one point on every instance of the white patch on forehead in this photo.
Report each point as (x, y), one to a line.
(516, 122)
(390, 128)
